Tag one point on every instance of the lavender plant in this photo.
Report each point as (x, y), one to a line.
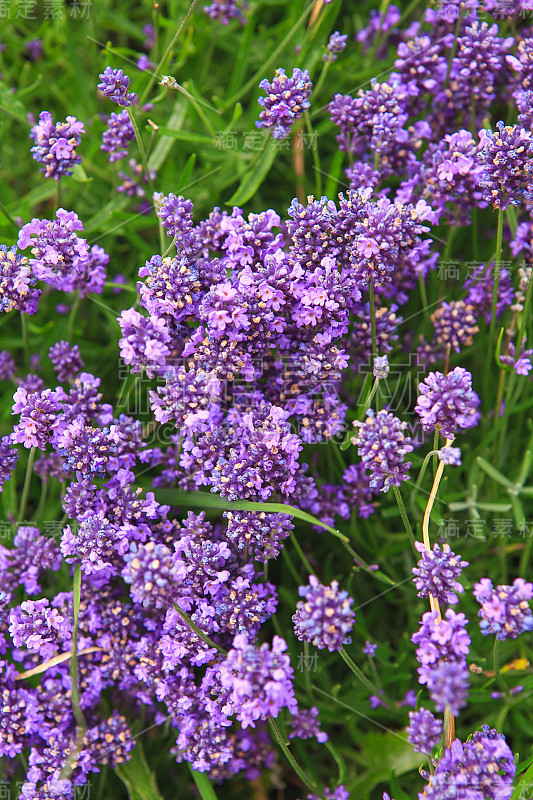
(265, 453)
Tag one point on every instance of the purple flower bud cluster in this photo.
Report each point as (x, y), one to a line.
(223, 10)
(258, 680)
(507, 158)
(39, 628)
(114, 84)
(336, 44)
(504, 610)
(436, 573)
(55, 145)
(442, 647)
(324, 617)
(60, 257)
(448, 401)
(382, 445)
(117, 136)
(66, 360)
(481, 767)
(424, 731)
(17, 283)
(285, 101)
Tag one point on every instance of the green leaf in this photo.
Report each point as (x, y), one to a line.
(494, 473)
(524, 784)
(203, 784)
(79, 174)
(166, 143)
(255, 175)
(177, 497)
(10, 104)
(185, 177)
(137, 777)
(332, 183)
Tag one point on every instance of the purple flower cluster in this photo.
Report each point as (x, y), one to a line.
(448, 401)
(17, 283)
(436, 573)
(60, 257)
(324, 617)
(382, 445)
(55, 145)
(114, 84)
(223, 10)
(442, 647)
(424, 731)
(504, 610)
(118, 134)
(257, 680)
(285, 101)
(481, 767)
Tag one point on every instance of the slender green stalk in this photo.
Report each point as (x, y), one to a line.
(497, 264)
(73, 670)
(372, 393)
(290, 758)
(524, 318)
(316, 156)
(496, 663)
(169, 248)
(424, 296)
(301, 553)
(42, 499)
(26, 488)
(8, 216)
(185, 617)
(321, 79)
(358, 673)
(25, 338)
(263, 69)
(454, 49)
(72, 316)
(436, 449)
(403, 514)
(142, 151)
(157, 72)
(373, 319)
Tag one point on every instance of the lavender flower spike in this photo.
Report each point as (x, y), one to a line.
(115, 86)
(286, 100)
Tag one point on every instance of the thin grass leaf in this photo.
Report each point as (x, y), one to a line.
(136, 775)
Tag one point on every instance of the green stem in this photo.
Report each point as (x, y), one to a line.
(42, 499)
(321, 79)
(26, 488)
(73, 670)
(372, 393)
(358, 673)
(72, 316)
(436, 449)
(8, 216)
(524, 318)
(289, 756)
(497, 263)
(169, 248)
(373, 319)
(157, 72)
(25, 339)
(453, 50)
(496, 663)
(403, 514)
(185, 617)
(142, 151)
(316, 156)
(301, 553)
(424, 296)
(263, 70)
